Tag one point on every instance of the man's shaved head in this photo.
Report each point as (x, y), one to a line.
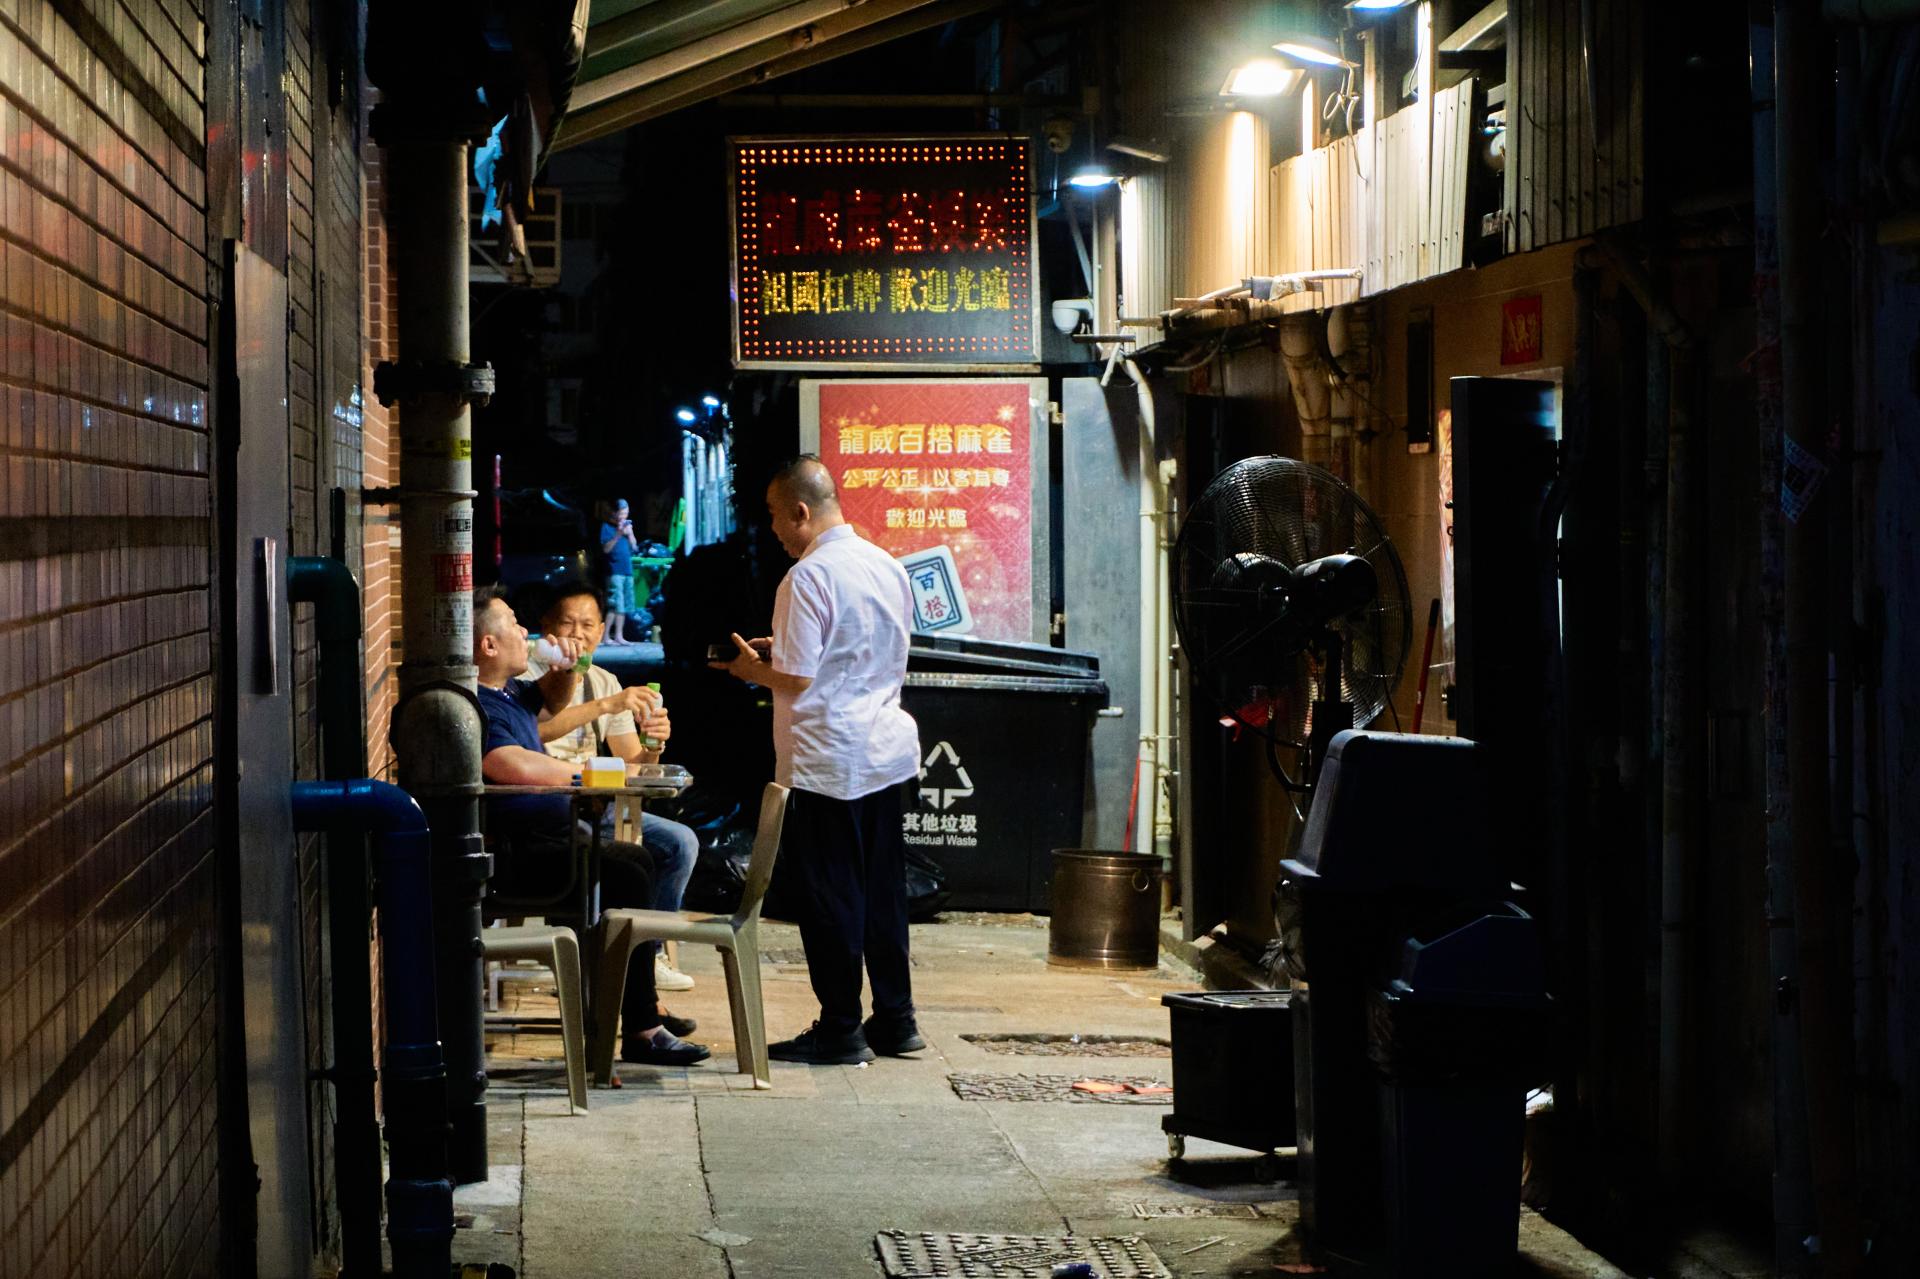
(806, 479)
(802, 503)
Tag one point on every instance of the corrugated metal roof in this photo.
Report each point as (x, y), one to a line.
(646, 58)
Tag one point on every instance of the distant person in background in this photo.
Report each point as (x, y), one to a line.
(618, 541)
(588, 714)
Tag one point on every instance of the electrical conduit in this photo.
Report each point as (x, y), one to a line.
(419, 1193)
(1153, 808)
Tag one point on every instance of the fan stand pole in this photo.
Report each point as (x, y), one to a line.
(1331, 714)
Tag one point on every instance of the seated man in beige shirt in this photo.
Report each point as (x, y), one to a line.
(597, 717)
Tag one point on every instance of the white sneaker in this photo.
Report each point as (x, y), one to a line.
(667, 977)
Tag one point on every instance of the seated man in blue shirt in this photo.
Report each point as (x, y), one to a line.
(590, 715)
(534, 832)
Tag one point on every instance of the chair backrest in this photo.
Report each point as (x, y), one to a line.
(766, 846)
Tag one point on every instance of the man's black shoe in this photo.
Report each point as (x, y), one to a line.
(895, 1038)
(813, 1048)
(663, 1050)
(678, 1027)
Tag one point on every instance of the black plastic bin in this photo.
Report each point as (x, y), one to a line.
(1454, 1041)
(1232, 1069)
(1005, 731)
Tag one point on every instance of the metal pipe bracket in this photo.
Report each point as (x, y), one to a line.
(398, 381)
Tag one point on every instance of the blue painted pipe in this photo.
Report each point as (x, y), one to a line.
(419, 1189)
(330, 586)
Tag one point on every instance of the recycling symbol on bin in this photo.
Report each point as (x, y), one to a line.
(961, 786)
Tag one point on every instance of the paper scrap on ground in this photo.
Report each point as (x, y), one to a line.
(723, 1238)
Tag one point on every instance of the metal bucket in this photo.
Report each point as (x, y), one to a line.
(1106, 909)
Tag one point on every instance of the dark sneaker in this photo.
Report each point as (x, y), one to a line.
(894, 1038)
(663, 1050)
(678, 1027)
(813, 1048)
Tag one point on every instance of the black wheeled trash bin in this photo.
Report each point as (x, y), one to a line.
(1232, 1070)
(1004, 738)
(1455, 1042)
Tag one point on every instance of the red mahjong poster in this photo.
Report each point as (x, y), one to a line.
(925, 464)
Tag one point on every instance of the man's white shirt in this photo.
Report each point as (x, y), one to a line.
(840, 618)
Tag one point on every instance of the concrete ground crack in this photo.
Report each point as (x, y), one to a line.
(520, 1240)
(706, 1183)
(1013, 1148)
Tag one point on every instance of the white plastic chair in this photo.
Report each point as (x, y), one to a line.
(559, 949)
(737, 938)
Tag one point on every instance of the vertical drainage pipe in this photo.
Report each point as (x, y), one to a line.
(1678, 727)
(1792, 1207)
(330, 586)
(1673, 372)
(437, 727)
(419, 1193)
(1802, 60)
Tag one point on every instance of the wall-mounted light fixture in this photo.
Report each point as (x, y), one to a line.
(1261, 78)
(1149, 149)
(1314, 51)
(1378, 6)
(1092, 176)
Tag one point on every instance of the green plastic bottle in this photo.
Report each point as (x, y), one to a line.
(648, 742)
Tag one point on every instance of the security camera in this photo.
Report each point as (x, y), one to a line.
(1070, 313)
(1058, 131)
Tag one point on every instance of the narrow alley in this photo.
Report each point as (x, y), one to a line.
(692, 1173)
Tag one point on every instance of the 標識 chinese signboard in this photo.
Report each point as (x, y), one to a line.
(881, 253)
(940, 474)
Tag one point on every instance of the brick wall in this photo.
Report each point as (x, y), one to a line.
(107, 885)
(380, 562)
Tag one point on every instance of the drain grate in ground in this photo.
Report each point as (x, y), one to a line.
(1039, 1045)
(1182, 1212)
(928, 1255)
(957, 1008)
(977, 1085)
(797, 956)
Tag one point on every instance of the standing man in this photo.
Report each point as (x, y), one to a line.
(618, 541)
(835, 664)
(588, 714)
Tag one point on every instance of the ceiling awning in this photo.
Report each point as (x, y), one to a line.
(646, 58)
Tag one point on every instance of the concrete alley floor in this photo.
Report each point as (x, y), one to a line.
(691, 1173)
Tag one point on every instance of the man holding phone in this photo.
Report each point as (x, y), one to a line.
(618, 541)
(835, 664)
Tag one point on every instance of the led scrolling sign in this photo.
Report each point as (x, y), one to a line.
(877, 252)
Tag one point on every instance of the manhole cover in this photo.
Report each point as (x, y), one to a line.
(958, 1008)
(975, 1085)
(797, 956)
(1073, 1045)
(956, 1256)
(1157, 1212)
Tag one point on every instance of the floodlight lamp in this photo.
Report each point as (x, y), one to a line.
(1092, 176)
(1378, 6)
(687, 416)
(1261, 78)
(711, 401)
(1314, 50)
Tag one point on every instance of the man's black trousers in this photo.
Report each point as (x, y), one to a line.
(842, 871)
(536, 858)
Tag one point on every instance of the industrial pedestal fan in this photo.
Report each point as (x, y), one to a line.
(1292, 606)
